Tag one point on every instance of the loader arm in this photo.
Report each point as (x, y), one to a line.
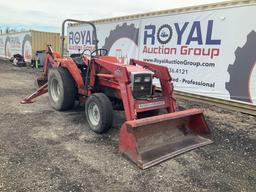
(120, 74)
(151, 140)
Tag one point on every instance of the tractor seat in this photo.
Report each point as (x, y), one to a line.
(77, 59)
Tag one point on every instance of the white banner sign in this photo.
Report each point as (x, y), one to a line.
(120, 39)
(209, 53)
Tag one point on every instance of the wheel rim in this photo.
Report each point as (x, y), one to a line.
(55, 90)
(94, 114)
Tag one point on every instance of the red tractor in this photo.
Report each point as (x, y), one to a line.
(103, 84)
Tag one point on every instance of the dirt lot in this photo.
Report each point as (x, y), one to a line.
(45, 150)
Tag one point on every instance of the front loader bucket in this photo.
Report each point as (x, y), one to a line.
(151, 140)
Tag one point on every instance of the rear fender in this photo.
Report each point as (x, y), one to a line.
(75, 72)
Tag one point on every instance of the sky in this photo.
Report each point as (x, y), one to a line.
(47, 15)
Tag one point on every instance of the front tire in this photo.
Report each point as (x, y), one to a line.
(99, 112)
(61, 88)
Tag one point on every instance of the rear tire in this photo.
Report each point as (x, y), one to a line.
(61, 88)
(99, 112)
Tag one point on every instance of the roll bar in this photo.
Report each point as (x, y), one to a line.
(77, 21)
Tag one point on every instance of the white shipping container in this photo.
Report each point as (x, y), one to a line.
(27, 43)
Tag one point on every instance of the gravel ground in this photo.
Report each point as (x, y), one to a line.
(45, 150)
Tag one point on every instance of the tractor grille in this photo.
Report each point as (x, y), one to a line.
(142, 85)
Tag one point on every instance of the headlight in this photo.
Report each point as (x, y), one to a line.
(137, 79)
(147, 79)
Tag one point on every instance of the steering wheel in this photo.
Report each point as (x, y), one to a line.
(86, 50)
(100, 52)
